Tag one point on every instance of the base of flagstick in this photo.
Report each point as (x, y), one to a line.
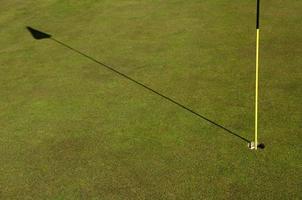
(252, 146)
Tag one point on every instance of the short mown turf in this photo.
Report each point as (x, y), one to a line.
(72, 129)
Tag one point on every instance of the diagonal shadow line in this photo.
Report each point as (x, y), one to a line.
(152, 90)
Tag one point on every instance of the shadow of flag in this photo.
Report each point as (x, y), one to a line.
(38, 35)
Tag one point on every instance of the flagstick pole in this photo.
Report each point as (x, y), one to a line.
(257, 73)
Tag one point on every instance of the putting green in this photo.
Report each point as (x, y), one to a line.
(72, 129)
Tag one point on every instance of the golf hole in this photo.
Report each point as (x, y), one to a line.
(251, 145)
(261, 146)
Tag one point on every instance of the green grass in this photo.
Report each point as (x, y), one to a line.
(71, 129)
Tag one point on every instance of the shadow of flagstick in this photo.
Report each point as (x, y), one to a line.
(41, 35)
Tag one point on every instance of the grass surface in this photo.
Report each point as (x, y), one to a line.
(71, 129)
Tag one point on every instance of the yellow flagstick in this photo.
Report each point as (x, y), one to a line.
(257, 89)
(257, 74)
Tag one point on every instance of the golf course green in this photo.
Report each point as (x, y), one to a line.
(149, 99)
